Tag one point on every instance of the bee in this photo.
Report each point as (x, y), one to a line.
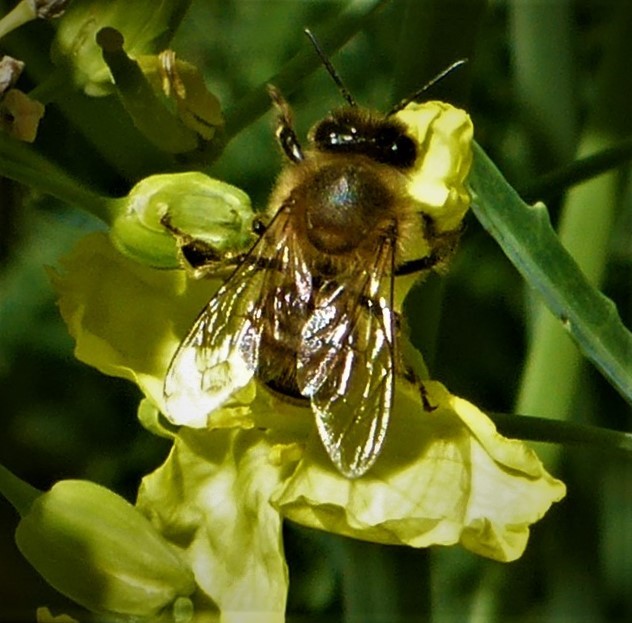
(309, 310)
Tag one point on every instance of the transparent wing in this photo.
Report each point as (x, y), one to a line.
(221, 352)
(346, 363)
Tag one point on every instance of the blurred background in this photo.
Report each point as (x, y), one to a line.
(547, 80)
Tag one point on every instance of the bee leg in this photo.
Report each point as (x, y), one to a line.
(443, 246)
(424, 398)
(285, 132)
(413, 378)
(197, 257)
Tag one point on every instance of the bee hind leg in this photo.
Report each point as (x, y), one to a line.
(410, 375)
(424, 398)
(284, 131)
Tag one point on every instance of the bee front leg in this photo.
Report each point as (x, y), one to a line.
(284, 131)
(197, 257)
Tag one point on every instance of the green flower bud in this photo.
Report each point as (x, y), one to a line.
(145, 24)
(166, 98)
(96, 548)
(210, 211)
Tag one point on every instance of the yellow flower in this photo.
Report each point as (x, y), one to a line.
(444, 477)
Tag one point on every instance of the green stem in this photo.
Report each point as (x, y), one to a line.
(21, 14)
(542, 48)
(581, 170)
(384, 583)
(331, 37)
(20, 494)
(22, 163)
(559, 432)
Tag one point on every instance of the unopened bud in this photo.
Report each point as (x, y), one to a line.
(100, 551)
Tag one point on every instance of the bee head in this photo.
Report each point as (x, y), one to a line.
(355, 131)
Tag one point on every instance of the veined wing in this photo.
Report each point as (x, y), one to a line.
(347, 363)
(221, 352)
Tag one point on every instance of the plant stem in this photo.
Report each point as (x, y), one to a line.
(256, 103)
(581, 170)
(19, 15)
(19, 493)
(23, 164)
(559, 432)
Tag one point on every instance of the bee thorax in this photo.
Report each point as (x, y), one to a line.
(342, 206)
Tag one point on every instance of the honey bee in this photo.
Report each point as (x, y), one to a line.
(308, 312)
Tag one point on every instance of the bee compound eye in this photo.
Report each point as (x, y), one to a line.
(326, 133)
(395, 148)
(404, 151)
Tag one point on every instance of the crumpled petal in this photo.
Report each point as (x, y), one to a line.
(444, 477)
(211, 498)
(438, 178)
(127, 319)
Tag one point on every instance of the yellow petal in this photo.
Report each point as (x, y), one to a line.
(127, 319)
(438, 179)
(444, 477)
(211, 498)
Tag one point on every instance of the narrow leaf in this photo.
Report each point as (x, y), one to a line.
(525, 234)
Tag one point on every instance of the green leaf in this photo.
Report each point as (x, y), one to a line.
(525, 234)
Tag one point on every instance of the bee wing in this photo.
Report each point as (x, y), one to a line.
(221, 352)
(346, 363)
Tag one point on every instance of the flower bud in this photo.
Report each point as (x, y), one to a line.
(96, 548)
(170, 105)
(145, 24)
(215, 213)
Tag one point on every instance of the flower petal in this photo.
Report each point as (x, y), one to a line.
(211, 499)
(444, 477)
(127, 319)
(438, 179)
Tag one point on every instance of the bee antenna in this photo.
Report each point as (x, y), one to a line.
(440, 76)
(330, 69)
